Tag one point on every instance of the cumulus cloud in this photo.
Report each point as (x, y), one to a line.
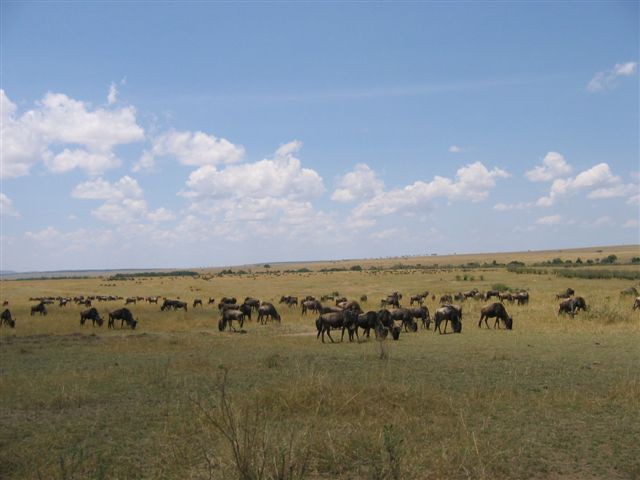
(472, 183)
(553, 166)
(502, 207)
(191, 148)
(6, 207)
(607, 79)
(100, 189)
(549, 220)
(598, 178)
(358, 184)
(86, 135)
(282, 176)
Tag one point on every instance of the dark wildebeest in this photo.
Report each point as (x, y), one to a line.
(636, 304)
(289, 300)
(497, 311)
(39, 308)
(423, 314)
(173, 304)
(367, 321)
(211, 301)
(470, 293)
(197, 302)
(124, 315)
(566, 294)
(345, 320)
(6, 319)
(130, 300)
(226, 301)
(352, 305)
(393, 299)
(152, 300)
(419, 299)
(447, 298)
(406, 317)
(268, 311)
(312, 305)
(448, 313)
(63, 302)
(229, 315)
(522, 298)
(254, 303)
(630, 291)
(5, 303)
(363, 298)
(340, 300)
(491, 293)
(91, 314)
(572, 306)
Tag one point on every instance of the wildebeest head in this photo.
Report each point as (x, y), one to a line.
(395, 332)
(133, 324)
(509, 323)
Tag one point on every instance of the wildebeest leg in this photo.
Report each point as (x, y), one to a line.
(446, 321)
(329, 334)
(497, 323)
(480, 321)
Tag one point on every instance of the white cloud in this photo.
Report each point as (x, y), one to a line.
(607, 79)
(358, 184)
(456, 149)
(632, 223)
(501, 207)
(112, 97)
(89, 135)
(191, 148)
(161, 215)
(634, 200)
(553, 166)
(6, 207)
(599, 178)
(281, 177)
(472, 183)
(100, 189)
(549, 220)
(613, 192)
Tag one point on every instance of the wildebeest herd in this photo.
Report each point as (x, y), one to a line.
(343, 314)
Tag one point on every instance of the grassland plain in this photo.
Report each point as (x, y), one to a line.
(557, 397)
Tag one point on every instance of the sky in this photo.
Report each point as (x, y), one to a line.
(176, 135)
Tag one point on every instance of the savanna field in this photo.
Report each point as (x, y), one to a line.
(556, 397)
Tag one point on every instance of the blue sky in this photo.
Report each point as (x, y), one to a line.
(186, 135)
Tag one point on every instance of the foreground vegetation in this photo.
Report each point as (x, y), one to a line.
(554, 398)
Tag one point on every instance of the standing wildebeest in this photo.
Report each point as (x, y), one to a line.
(491, 293)
(393, 299)
(254, 303)
(522, 298)
(630, 291)
(636, 304)
(39, 308)
(423, 314)
(153, 300)
(63, 302)
(173, 304)
(267, 310)
(130, 300)
(226, 301)
(6, 319)
(289, 300)
(566, 294)
(367, 321)
(91, 314)
(506, 296)
(419, 298)
(448, 313)
(312, 305)
(197, 302)
(498, 311)
(211, 301)
(124, 315)
(406, 317)
(346, 320)
(231, 314)
(572, 306)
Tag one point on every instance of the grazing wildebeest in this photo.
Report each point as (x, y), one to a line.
(289, 300)
(572, 306)
(566, 294)
(448, 313)
(636, 304)
(471, 293)
(447, 298)
(124, 315)
(363, 298)
(91, 314)
(630, 291)
(39, 308)
(312, 305)
(211, 301)
(522, 298)
(393, 299)
(63, 302)
(268, 311)
(6, 319)
(497, 311)
(367, 321)
(346, 320)
(254, 303)
(173, 304)
(226, 301)
(506, 296)
(130, 300)
(197, 302)
(406, 317)
(423, 314)
(229, 315)
(491, 293)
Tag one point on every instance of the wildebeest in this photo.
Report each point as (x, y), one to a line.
(636, 304)
(226, 301)
(447, 298)
(124, 315)
(173, 304)
(91, 314)
(630, 291)
(268, 311)
(491, 293)
(254, 303)
(63, 302)
(312, 305)
(197, 302)
(367, 321)
(39, 308)
(423, 314)
(566, 294)
(229, 315)
(152, 299)
(289, 300)
(363, 298)
(393, 299)
(345, 320)
(506, 296)
(497, 311)
(572, 306)
(130, 300)
(211, 301)
(419, 298)
(5, 303)
(406, 317)
(522, 298)
(448, 313)
(7, 319)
